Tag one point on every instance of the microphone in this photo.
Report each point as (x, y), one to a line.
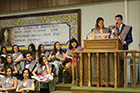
(89, 33)
(92, 29)
(114, 26)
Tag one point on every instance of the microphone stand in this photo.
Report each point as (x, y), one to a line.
(89, 33)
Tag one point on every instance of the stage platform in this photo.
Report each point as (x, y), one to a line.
(67, 88)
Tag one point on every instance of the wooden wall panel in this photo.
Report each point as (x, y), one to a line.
(5, 5)
(33, 4)
(43, 3)
(17, 5)
(24, 4)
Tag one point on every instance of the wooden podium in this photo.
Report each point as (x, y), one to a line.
(103, 44)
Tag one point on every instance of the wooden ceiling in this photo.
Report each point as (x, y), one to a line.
(18, 5)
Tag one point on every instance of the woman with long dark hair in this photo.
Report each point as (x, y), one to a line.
(41, 51)
(16, 54)
(57, 54)
(26, 84)
(32, 49)
(57, 57)
(43, 74)
(73, 46)
(43, 68)
(3, 52)
(100, 32)
(8, 82)
(9, 63)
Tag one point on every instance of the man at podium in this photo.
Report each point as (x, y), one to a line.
(122, 31)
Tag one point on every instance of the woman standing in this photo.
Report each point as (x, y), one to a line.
(99, 31)
(8, 82)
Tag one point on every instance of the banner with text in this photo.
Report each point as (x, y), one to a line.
(40, 30)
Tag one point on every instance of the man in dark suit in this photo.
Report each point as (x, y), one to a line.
(122, 31)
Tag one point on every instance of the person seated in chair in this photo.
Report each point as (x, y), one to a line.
(9, 63)
(26, 84)
(73, 46)
(8, 82)
(43, 73)
(57, 57)
(28, 62)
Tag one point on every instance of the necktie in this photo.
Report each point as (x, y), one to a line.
(118, 29)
